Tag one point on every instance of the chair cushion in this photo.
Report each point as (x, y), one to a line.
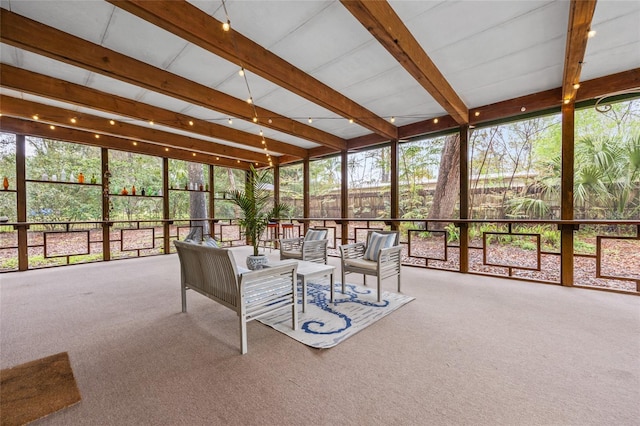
(377, 242)
(361, 263)
(315, 234)
(291, 253)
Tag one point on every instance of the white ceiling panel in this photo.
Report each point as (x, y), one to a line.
(141, 40)
(197, 64)
(617, 23)
(43, 65)
(85, 19)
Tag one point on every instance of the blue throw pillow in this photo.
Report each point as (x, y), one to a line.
(315, 235)
(377, 242)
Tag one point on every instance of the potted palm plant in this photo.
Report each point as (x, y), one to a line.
(255, 202)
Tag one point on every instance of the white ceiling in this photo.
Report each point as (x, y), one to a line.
(488, 51)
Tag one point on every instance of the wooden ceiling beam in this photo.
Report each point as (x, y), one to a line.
(60, 90)
(386, 26)
(190, 23)
(42, 130)
(33, 36)
(20, 108)
(580, 17)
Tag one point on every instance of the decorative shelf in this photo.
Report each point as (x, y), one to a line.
(8, 190)
(188, 190)
(63, 182)
(135, 196)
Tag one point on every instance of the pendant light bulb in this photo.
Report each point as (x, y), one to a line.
(241, 72)
(226, 26)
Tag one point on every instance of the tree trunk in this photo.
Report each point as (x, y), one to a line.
(448, 186)
(197, 200)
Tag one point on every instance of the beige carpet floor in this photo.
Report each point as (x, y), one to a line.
(469, 350)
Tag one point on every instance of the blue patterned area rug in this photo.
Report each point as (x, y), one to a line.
(326, 324)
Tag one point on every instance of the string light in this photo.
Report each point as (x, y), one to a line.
(477, 113)
(226, 26)
(255, 119)
(52, 127)
(310, 120)
(351, 120)
(190, 122)
(135, 143)
(576, 86)
(112, 122)
(241, 72)
(249, 100)
(435, 121)
(523, 109)
(392, 119)
(166, 149)
(35, 117)
(151, 122)
(230, 121)
(591, 33)
(97, 136)
(73, 120)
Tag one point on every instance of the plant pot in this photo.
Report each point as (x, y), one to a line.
(257, 262)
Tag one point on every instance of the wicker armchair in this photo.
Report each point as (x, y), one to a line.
(212, 272)
(312, 247)
(386, 265)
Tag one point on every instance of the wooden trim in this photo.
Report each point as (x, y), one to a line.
(60, 90)
(41, 39)
(19, 108)
(165, 206)
(566, 194)
(580, 16)
(38, 129)
(344, 195)
(306, 184)
(106, 228)
(395, 180)
(379, 18)
(464, 198)
(21, 198)
(192, 24)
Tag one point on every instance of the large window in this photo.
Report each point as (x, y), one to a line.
(369, 178)
(8, 201)
(607, 162)
(188, 190)
(419, 162)
(62, 181)
(515, 170)
(130, 174)
(227, 179)
(325, 180)
(291, 184)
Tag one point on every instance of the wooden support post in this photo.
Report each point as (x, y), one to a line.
(166, 229)
(566, 194)
(276, 184)
(395, 179)
(106, 226)
(21, 194)
(464, 198)
(344, 195)
(212, 199)
(306, 183)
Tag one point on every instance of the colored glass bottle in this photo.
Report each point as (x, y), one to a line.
(124, 191)
(93, 179)
(133, 190)
(80, 178)
(5, 183)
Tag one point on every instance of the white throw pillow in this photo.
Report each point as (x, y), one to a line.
(377, 242)
(315, 235)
